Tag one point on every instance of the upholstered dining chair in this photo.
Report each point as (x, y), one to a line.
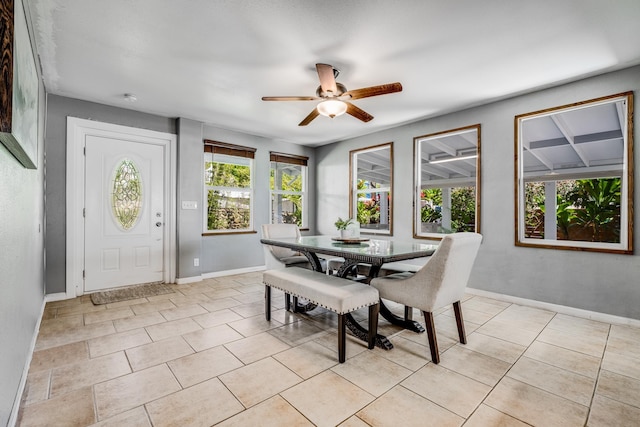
(441, 281)
(278, 257)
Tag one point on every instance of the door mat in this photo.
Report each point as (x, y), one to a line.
(130, 292)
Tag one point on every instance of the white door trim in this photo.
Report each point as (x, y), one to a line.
(77, 130)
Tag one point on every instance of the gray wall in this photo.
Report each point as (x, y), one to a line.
(58, 108)
(21, 263)
(600, 282)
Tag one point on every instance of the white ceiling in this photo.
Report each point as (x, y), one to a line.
(213, 60)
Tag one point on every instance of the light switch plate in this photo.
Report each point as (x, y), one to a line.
(189, 205)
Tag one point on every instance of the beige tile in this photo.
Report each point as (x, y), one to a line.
(407, 353)
(259, 381)
(402, 407)
(573, 361)
(79, 309)
(256, 347)
(494, 347)
(354, 421)
(93, 371)
(219, 304)
(36, 387)
(249, 310)
(485, 369)
(327, 399)
(158, 352)
(60, 324)
(457, 393)
(471, 315)
(138, 321)
(223, 293)
(118, 342)
(528, 318)
(274, 412)
(71, 409)
(619, 387)
(172, 328)
(183, 312)
(622, 364)
(199, 367)
(508, 331)
(216, 318)
(254, 325)
(487, 416)
(569, 385)
(446, 326)
(150, 307)
(127, 392)
(59, 356)
(203, 405)
(104, 315)
(211, 337)
(297, 332)
(444, 340)
(372, 373)
(354, 346)
(181, 301)
(535, 406)
(486, 305)
(74, 334)
(251, 297)
(579, 325)
(136, 417)
(607, 413)
(308, 359)
(126, 303)
(624, 340)
(591, 344)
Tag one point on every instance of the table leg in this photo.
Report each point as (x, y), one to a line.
(363, 334)
(412, 325)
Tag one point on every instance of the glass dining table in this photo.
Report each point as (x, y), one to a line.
(354, 252)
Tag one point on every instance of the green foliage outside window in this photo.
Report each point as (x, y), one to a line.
(463, 208)
(228, 208)
(586, 209)
(288, 205)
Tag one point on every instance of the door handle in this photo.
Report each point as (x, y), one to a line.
(158, 224)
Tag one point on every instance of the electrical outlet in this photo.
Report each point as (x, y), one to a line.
(196, 262)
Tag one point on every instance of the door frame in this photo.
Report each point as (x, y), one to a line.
(77, 130)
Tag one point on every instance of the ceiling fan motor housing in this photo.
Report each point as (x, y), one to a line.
(341, 89)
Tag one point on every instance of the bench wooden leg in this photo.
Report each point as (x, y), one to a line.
(287, 302)
(374, 310)
(295, 304)
(267, 302)
(342, 341)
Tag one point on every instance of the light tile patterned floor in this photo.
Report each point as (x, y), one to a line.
(204, 355)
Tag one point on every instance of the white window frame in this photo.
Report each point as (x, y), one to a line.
(273, 193)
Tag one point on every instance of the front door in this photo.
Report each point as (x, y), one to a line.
(124, 212)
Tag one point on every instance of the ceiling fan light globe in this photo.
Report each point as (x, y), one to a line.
(332, 108)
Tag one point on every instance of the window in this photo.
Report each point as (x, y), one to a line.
(371, 188)
(228, 188)
(447, 176)
(288, 185)
(574, 174)
(126, 195)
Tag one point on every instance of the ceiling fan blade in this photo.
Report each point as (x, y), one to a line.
(373, 91)
(312, 115)
(358, 113)
(290, 98)
(327, 78)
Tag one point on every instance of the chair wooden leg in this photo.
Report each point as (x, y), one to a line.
(431, 335)
(457, 308)
(374, 310)
(267, 302)
(342, 341)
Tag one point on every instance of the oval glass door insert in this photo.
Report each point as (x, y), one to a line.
(126, 197)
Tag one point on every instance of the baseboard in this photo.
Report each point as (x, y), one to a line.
(185, 280)
(55, 297)
(232, 272)
(563, 309)
(13, 418)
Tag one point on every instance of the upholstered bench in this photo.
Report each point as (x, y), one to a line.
(333, 293)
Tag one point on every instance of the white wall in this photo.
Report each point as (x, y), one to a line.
(601, 282)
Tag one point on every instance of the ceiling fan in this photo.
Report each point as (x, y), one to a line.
(335, 97)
